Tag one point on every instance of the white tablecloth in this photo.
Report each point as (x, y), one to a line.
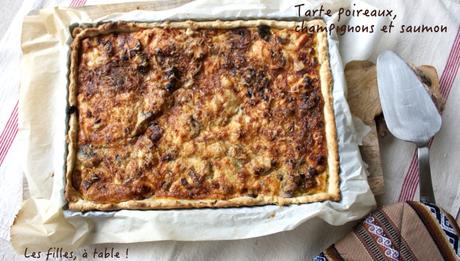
(441, 50)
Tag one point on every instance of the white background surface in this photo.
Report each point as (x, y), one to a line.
(303, 242)
(8, 9)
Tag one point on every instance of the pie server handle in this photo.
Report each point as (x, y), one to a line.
(426, 186)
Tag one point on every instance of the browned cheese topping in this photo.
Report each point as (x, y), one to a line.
(199, 114)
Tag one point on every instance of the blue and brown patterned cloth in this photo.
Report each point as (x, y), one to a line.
(403, 231)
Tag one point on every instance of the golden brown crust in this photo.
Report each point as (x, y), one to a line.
(89, 185)
(331, 130)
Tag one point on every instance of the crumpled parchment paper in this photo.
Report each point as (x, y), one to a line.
(42, 222)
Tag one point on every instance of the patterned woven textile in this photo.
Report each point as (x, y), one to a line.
(403, 231)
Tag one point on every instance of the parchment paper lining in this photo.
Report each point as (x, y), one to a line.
(42, 221)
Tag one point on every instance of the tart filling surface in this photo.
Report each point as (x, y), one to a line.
(200, 114)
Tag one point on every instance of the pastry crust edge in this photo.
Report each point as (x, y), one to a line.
(77, 203)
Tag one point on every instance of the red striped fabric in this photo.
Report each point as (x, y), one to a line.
(11, 127)
(411, 180)
(77, 3)
(9, 133)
